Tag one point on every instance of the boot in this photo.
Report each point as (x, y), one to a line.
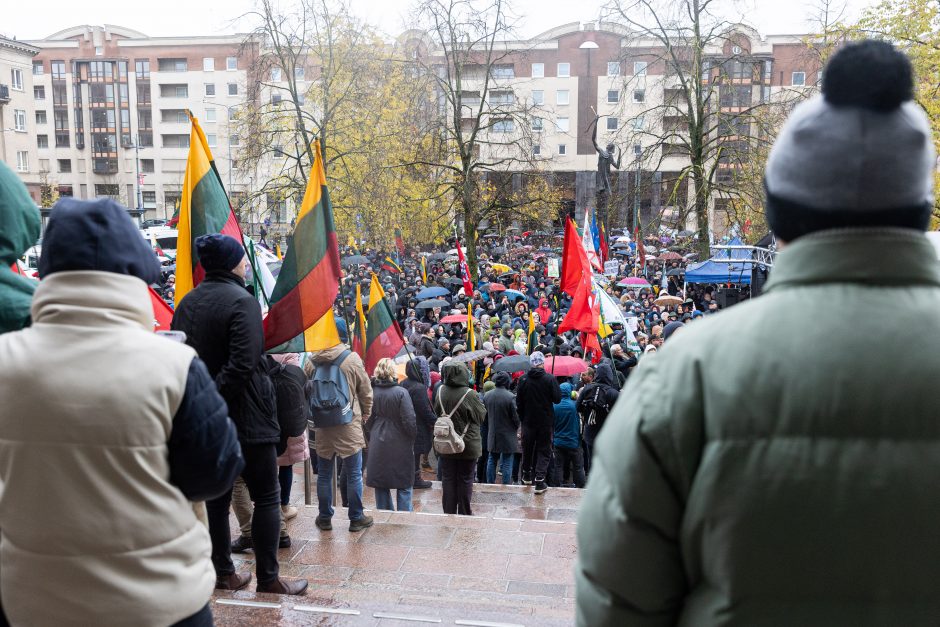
(242, 544)
(235, 581)
(360, 523)
(285, 586)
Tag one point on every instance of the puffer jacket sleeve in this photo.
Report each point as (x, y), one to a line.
(630, 569)
(204, 453)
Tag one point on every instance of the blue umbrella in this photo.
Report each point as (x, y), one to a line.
(432, 292)
(513, 294)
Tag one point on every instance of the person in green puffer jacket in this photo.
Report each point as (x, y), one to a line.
(763, 469)
(458, 471)
(19, 229)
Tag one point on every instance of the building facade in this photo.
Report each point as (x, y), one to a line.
(17, 133)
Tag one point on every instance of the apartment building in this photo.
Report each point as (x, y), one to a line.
(17, 134)
(566, 76)
(106, 112)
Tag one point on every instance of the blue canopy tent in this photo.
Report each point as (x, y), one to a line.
(712, 271)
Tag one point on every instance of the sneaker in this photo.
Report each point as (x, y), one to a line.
(526, 478)
(540, 487)
(289, 512)
(323, 524)
(283, 542)
(242, 545)
(422, 485)
(360, 523)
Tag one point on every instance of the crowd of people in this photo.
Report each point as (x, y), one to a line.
(762, 469)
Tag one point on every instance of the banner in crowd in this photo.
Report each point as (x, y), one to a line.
(383, 336)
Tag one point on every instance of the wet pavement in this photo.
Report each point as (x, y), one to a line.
(509, 564)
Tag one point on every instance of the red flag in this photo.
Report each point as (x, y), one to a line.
(640, 249)
(572, 262)
(464, 272)
(162, 314)
(584, 313)
(605, 251)
(591, 345)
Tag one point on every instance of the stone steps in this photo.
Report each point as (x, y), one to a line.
(424, 566)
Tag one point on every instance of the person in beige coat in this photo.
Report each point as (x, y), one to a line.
(343, 441)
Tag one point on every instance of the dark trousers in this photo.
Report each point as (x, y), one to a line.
(202, 618)
(536, 450)
(285, 477)
(418, 477)
(260, 475)
(457, 482)
(569, 459)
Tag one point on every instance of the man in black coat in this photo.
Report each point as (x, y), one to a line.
(417, 388)
(222, 321)
(503, 425)
(595, 401)
(536, 395)
(623, 363)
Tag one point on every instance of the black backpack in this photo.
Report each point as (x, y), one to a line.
(595, 404)
(291, 404)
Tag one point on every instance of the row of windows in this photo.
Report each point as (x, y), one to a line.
(276, 74)
(182, 65)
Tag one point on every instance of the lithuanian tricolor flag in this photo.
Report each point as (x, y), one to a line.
(533, 338)
(359, 340)
(204, 209)
(383, 337)
(391, 265)
(309, 279)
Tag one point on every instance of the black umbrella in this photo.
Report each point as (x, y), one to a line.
(513, 363)
(676, 272)
(453, 281)
(431, 304)
(471, 356)
(355, 260)
(437, 256)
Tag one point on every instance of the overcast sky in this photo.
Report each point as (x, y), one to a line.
(208, 17)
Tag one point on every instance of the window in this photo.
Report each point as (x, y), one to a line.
(233, 140)
(145, 139)
(613, 68)
(142, 68)
(612, 124)
(22, 161)
(16, 79)
(639, 95)
(210, 89)
(637, 123)
(210, 115)
(37, 68)
(538, 70)
(175, 141)
(299, 73)
(41, 117)
(42, 141)
(536, 124)
(562, 149)
(43, 165)
(99, 51)
(172, 65)
(149, 198)
(233, 89)
(65, 166)
(562, 124)
(504, 126)
(639, 68)
(39, 92)
(58, 70)
(504, 71)
(536, 150)
(275, 74)
(564, 70)
(231, 113)
(561, 97)
(613, 96)
(19, 120)
(501, 97)
(208, 64)
(146, 165)
(107, 190)
(173, 91)
(211, 139)
(538, 97)
(231, 63)
(798, 79)
(174, 116)
(144, 118)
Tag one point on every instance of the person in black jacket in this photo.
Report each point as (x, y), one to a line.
(595, 401)
(622, 363)
(503, 421)
(222, 321)
(417, 383)
(536, 395)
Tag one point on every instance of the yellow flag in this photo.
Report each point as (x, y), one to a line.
(360, 324)
(277, 251)
(471, 344)
(323, 334)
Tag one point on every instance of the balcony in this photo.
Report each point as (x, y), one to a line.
(4, 94)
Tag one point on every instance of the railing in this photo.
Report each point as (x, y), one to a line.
(759, 256)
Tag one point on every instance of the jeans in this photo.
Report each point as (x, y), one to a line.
(504, 460)
(565, 457)
(383, 499)
(202, 618)
(285, 476)
(352, 466)
(536, 450)
(457, 483)
(260, 475)
(244, 509)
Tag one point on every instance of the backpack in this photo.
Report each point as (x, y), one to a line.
(328, 395)
(446, 439)
(289, 390)
(596, 404)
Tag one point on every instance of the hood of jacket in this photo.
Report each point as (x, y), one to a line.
(417, 370)
(455, 375)
(328, 354)
(565, 391)
(19, 217)
(604, 373)
(90, 298)
(536, 373)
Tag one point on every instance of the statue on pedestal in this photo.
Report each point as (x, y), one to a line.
(605, 159)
